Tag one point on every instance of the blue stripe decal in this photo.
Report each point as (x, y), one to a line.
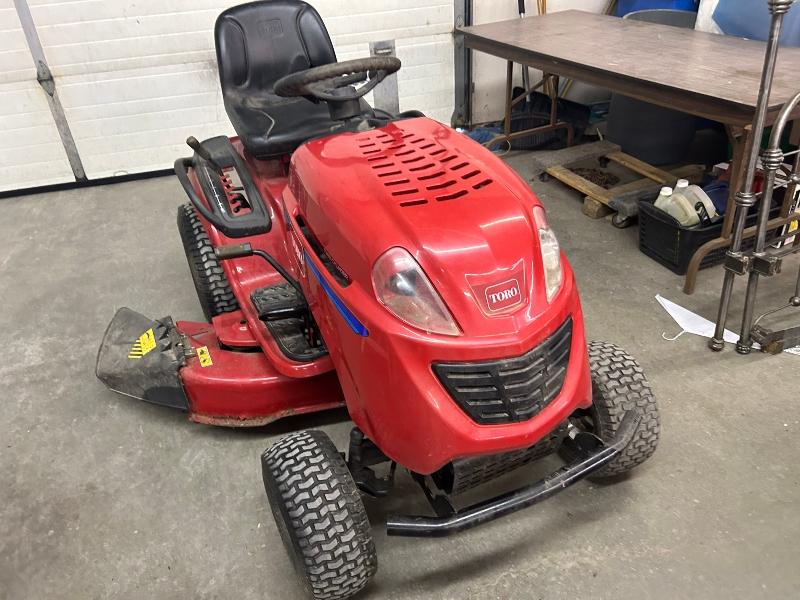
(349, 317)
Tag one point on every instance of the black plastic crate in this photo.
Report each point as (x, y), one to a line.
(669, 243)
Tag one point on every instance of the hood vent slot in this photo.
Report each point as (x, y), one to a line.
(452, 196)
(417, 170)
(441, 186)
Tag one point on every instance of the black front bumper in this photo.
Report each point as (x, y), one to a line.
(488, 510)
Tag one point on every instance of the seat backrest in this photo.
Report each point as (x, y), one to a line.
(260, 42)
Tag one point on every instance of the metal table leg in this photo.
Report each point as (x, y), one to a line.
(554, 123)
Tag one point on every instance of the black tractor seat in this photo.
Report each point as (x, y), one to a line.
(268, 129)
(257, 44)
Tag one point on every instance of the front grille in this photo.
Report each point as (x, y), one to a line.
(510, 390)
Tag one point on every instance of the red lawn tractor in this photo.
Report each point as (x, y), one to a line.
(347, 256)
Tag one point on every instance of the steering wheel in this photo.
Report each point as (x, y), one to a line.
(336, 82)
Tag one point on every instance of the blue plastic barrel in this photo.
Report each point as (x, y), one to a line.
(627, 6)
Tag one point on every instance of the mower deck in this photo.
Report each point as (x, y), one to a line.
(185, 366)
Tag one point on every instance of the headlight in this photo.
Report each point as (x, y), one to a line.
(551, 253)
(402, 287)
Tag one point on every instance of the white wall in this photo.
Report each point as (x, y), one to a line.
(136, 77)
(489, 72)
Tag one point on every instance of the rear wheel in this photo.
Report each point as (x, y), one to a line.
(320, 515)
(619, 385)
(213, 290)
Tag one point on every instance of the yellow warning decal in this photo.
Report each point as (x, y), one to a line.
(205, 356)
(144, 344)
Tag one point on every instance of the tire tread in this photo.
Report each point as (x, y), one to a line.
(619, 385)
(328, 531)
(213, 289)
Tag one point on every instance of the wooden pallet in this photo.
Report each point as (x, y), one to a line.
(599, 201)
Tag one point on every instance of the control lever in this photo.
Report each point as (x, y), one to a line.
(201, 151)
(233, 251)
(230, 251)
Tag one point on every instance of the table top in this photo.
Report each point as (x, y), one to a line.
(711, 75)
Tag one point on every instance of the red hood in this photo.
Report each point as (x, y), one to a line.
(463, 213)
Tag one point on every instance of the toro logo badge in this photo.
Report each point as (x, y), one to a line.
(270, 27)
(503, 295)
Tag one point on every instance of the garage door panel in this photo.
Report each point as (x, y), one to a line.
(95, 89)
(135, 132)
(37, 152)
(31, 153)
(116, 24)
(57, 12)
(32, 134)
(166, 104)
(15, 59)
(150, 156)
(138, 122)
(117, 55)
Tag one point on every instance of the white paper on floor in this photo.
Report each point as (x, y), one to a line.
(690, 322)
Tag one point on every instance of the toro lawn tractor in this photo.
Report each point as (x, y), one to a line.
(346, 256)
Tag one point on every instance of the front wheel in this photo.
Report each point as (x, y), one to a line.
(621, 222)
(619, 385)
(320, 515)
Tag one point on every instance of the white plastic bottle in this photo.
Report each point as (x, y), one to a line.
(664, 197)
(678, 206)
(680, 190)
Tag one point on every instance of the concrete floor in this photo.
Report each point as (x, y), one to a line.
(103, 496)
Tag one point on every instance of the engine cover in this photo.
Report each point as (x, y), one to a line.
(461, 212)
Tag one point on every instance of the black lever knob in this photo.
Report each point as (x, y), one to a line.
(202, 152)
(233, 251)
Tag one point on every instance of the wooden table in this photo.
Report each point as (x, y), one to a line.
(704, 74)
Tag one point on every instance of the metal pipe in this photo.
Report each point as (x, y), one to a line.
(771, 160)
(797, 285)
(745, 197)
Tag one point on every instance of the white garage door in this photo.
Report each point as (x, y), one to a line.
(136, 78)
(30, 147)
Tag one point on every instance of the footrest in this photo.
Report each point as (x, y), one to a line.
(276, 302)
